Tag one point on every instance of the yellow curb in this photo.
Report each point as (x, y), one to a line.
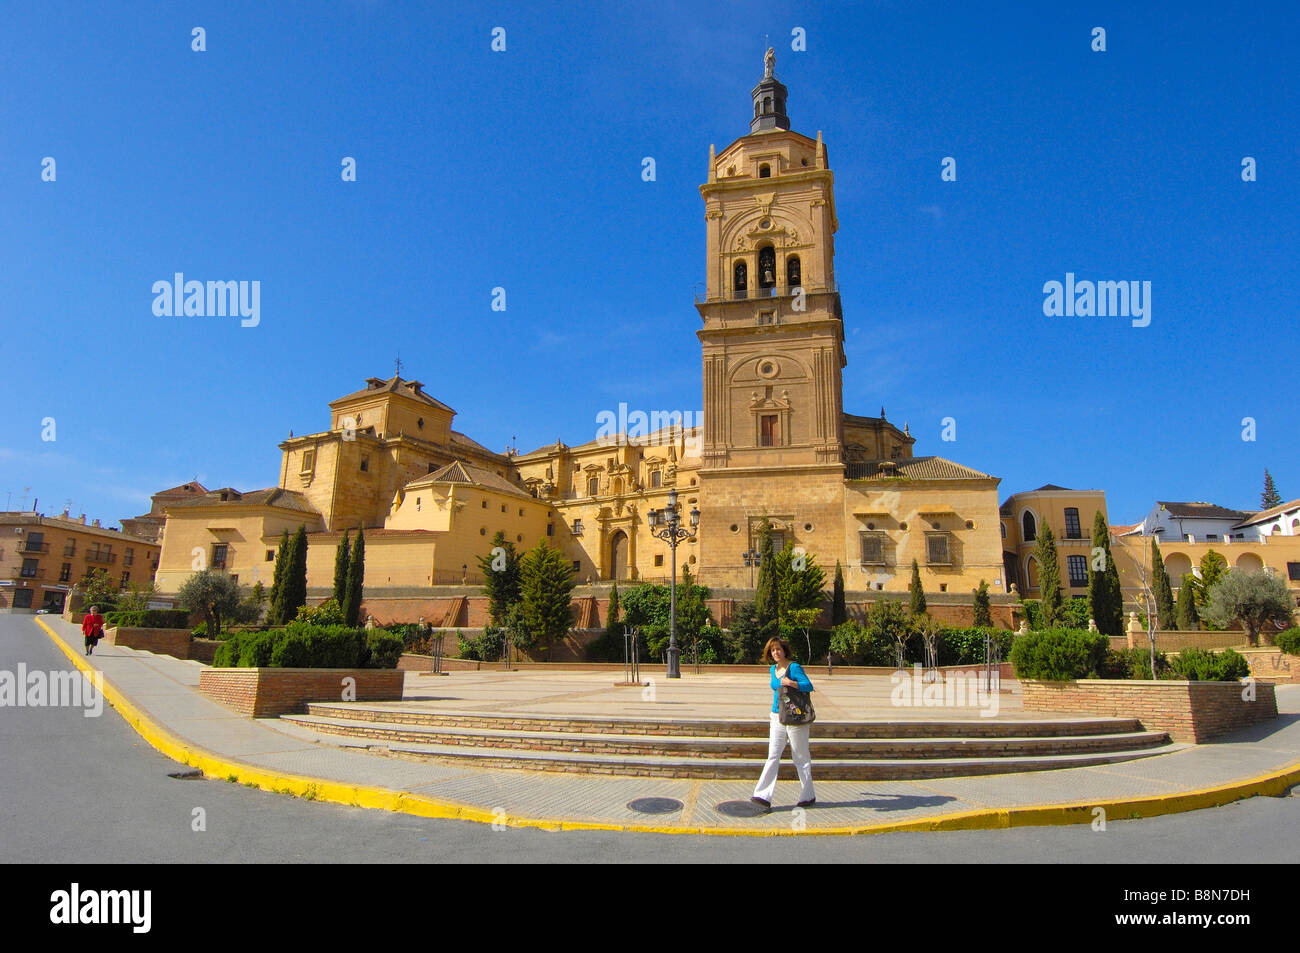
(406, 802)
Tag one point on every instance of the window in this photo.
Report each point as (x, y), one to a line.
(219, 555)
(308, 461)
(873, 549)
(65, 573)
(1293, 571)
(1072, 523)
(270, 555)
(936, 549)
(1078, 571)
(1030, 527)
(769, 430)
(365, 463)
(29, 568)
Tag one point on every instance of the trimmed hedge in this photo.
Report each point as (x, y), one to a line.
(1198, 665)
(150, 618)
(1289, 641)
(1060, 655)
(299, 645)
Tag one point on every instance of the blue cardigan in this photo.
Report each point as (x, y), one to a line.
(794, 673)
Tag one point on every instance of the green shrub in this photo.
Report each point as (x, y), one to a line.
(1059, 655)
(966, 646)
(1289, 641)
(327, 613)
(383, 649)
(1134, 663)
(150, 618)
(1198, 665)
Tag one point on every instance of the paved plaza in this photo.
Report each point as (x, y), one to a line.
(158, 695)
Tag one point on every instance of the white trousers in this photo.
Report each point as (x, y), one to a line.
(778, 735)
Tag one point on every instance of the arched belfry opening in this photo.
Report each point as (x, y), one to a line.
(740, 279)
(767, 267)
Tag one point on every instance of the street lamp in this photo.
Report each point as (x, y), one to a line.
(752, 558)
(665, 524)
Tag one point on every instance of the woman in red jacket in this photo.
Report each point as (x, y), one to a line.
(92, 627)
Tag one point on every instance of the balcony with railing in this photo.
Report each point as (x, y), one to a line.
(27, 546)
(775, 291)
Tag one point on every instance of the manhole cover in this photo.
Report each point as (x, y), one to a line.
(741, 809)
(194, 775)
(655, 805)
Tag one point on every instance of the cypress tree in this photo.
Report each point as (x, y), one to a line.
(1105, 599)
(839, 610)
(356, 581)
(277, 580)
(1049, 577)
(765, 599)
(918, 593)
(1188, 620)
(1164, 593)
(500, 578)
(1270, 497)
(341, 569)
(983, 614)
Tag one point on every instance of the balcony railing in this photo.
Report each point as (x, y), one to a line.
(27, 546)
(776, 291)
(95, 556)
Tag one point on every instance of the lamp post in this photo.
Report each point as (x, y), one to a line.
(752, 558)
(665, 524)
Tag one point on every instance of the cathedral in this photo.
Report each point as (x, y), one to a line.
(774, 443)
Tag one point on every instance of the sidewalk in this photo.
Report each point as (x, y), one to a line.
(158, 695)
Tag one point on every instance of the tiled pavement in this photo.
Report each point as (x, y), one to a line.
(165, 692)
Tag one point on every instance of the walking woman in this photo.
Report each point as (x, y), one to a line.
(788, 673)
(92, 627)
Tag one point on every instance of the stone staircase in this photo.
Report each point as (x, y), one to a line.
(866, 750)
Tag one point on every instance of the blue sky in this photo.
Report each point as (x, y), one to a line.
(522, 169)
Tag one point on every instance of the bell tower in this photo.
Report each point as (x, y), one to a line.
(772, 335)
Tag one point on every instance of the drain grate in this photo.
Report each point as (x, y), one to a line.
(740, 809)
(194, 775)
(655, 805)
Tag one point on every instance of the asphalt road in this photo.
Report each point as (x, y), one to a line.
(88, 790)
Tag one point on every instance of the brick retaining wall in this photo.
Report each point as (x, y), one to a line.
(173, 642)
(1189, 711)
(263, 692)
